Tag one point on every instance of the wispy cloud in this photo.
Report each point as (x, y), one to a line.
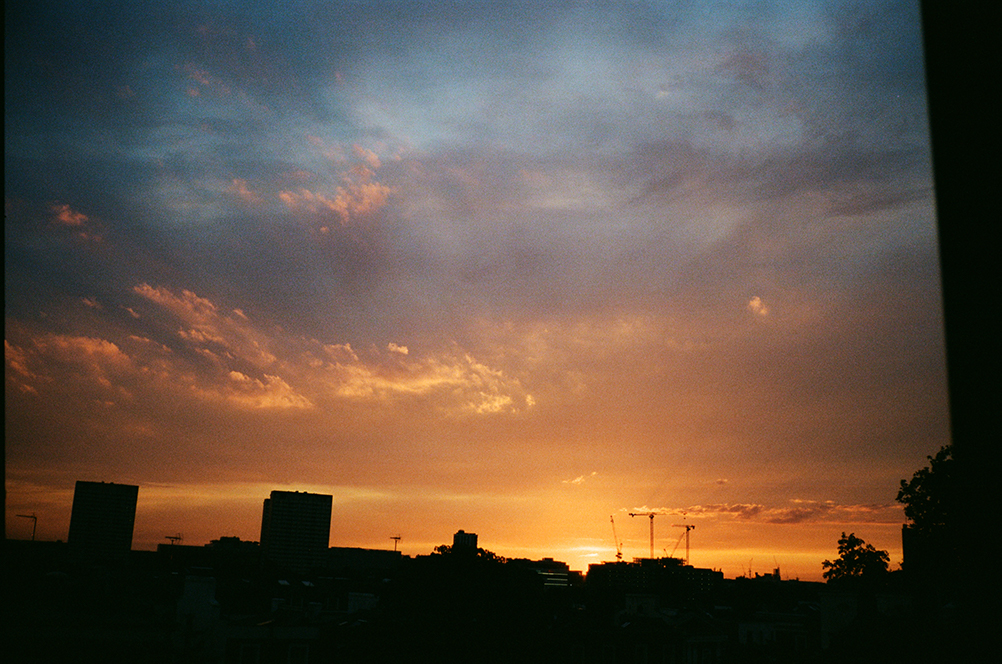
(801, 511)
(580, 479)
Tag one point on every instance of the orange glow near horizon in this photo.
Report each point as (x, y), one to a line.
(361, 518)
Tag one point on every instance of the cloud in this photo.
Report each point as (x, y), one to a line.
(358, 195)
(56, 362)
(18, 372)
(580, 479)
(202, 325)
(81, 224)
(293, 372)
(304, 199)
(454, 382)
(240, 189)
(796, 514)
(361, 194)
(801, 511)
(272, 392)
(757, 306)
(740, 510)
(108, 374)
(367, 156)
(340, 352)
(230, 345)
(206, 80)
(67, 216)
(749, 65)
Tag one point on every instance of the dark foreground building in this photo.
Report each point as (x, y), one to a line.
(296, 529)
(102, 520)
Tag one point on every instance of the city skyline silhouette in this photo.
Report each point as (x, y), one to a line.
(292, 598)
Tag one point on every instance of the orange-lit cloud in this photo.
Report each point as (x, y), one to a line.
(56, 362)
(272, 392)
(52, 363)
(16, 360)
(66, 215)
(757, 306)
(458, 381)
(368, 156)
(246, 366)
(204, 324)
(240, 189)
(82, 226)
(359, 196)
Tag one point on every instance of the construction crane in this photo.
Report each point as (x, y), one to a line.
(396, 539)
(651, 516)
(688, 527)
(675, 548)
(615, 539)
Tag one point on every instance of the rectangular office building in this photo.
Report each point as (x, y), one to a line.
(102, 519)
(296, 530)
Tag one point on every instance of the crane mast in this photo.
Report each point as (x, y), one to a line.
(651, 515)
(688, 527)
(615, 539)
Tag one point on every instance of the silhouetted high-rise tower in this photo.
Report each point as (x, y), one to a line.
(102, 519)
(296, 529)
(463, 541)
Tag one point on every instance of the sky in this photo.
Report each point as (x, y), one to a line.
(517, 268)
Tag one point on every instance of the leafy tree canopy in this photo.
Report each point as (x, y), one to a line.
(856, 560)
(930, 497)
(482, 554)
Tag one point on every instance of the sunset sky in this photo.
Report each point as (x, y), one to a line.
(506, 267)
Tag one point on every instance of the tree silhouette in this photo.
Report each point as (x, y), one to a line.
(930, 497)
(856, 561)
(480, 554)
(930, 539)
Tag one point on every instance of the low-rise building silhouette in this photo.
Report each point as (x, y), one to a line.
(664, 575)
(355, 561)
(553, 573)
